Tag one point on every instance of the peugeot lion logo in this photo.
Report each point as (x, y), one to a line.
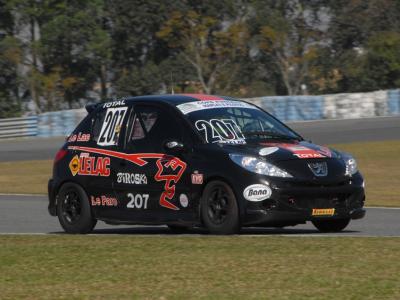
(319, 168)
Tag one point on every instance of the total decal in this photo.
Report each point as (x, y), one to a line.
(257, 192)
(103, 201)
(299, 150)
(87, 165)
(220, 131)
(169, 169)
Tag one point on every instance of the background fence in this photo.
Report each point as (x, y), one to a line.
(285, 108)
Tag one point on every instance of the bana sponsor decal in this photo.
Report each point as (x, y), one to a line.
(103, 201)
(130, 178)
(80, 137)
(169, 169)
(89, 165)
(257, 192)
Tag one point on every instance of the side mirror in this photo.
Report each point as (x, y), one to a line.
(174, 146)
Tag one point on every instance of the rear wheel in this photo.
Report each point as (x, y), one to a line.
(333, 225)
(73, 209)
(219, 208)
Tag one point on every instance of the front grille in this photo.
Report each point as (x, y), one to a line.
(328, 201)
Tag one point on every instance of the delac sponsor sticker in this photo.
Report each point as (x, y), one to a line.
(257, 192)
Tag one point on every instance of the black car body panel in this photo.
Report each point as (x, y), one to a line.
(119, 154)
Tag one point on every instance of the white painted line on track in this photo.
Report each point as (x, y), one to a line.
(381, 207)
(24, 195)
(266, 235)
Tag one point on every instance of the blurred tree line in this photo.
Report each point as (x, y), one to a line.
(57, 54)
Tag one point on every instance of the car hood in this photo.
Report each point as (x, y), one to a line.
(283, 151)
(297, 158)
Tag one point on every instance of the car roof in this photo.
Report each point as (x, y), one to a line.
(171, 99)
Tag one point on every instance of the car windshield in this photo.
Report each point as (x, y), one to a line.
(234, 122)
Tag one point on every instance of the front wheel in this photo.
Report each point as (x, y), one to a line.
(219, 208)
(73, 209)
(333, 225)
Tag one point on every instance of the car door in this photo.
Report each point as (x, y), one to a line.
(153, 185)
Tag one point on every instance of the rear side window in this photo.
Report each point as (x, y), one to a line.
(106, 125)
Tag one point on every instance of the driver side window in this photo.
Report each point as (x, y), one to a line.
(150, 127)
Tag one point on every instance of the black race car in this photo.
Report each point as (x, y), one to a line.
(198, 160)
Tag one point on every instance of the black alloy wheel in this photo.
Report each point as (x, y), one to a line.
(219, 208)
(73, 209)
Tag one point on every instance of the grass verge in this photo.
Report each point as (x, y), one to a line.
(81, 267)
(378, 161)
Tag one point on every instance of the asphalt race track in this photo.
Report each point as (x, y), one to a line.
(320, 132)
(28, 214)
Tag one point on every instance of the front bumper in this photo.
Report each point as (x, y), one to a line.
(293, 203)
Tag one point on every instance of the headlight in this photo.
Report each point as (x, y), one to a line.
(351, 164)
(258, 166)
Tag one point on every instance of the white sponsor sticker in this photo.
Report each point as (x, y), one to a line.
(131, 178)
(187, 108)
(257, 192)
(109, 132)
(267, 151)
(184, 200)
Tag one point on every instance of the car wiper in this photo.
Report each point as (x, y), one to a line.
(272, 134)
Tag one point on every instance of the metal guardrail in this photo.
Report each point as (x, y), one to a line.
(286, 108)
(18, 127)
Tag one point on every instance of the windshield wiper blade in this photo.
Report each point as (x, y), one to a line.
(272, 134)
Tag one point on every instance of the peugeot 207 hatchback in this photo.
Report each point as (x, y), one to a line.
(198, 160)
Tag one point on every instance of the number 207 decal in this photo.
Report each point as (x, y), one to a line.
(111, 126)
(137, 201)
(220, 131)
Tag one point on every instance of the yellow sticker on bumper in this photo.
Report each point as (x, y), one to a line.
(323, 211)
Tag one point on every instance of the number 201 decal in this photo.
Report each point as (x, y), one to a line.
(220, 131)
(111, 126)
(137, 201)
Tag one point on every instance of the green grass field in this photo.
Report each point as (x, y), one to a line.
(378, 161)
(126, 267)
(205, 267)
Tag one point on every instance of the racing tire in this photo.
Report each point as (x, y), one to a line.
(73, 209)
(334, 225)
(219, 209)
(178, 228)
